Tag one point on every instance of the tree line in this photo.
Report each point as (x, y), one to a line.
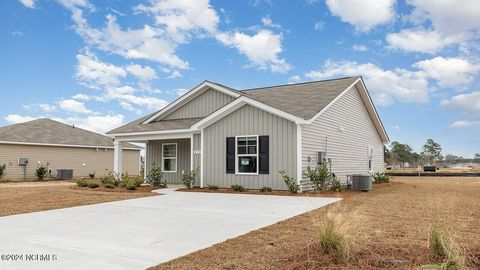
(431, 154)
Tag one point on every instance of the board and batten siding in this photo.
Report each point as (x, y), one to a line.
(154, 157)
(201, 106)
(59, 157)
(347, 148)
(249, 120)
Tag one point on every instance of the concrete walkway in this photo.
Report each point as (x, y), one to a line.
(138, 233)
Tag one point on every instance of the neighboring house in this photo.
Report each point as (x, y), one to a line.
(59, 146)
(246, 137)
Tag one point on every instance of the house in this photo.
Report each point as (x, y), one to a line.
(59, 146)
(246, 137)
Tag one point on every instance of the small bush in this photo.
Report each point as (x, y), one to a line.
(155, 176)
(237, 187)
(135, 181)
(336, 185)
(333, 241)
(292, 185)
(131, 185)
(93, 185)
(188, 179)
(380, 177)
(319, 176)
(2, 170)
(108, 185)
(41, 172)
(91, 175)
(110, 179)
(212, 187)
(82, 183)
(266, 189)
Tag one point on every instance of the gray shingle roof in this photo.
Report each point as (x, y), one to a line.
(47, 131)
(304, 100)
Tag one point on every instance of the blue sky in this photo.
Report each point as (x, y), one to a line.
(99, 64)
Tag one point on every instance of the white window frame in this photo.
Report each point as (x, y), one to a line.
(245, 155)
(176, 157)
(370, 158)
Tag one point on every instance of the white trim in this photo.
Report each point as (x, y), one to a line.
(117, 158)
(202, 166)
(203, 86)
(245, 155)
(176, 157)
(151, 132)
(68, 145)
(145, 163)
(191, 152)
(239, 102)
(140, 138)
(299, 155)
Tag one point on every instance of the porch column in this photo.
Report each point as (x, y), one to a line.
(117, 158)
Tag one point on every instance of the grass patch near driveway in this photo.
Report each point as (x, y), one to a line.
(19, 198)
(390, 226)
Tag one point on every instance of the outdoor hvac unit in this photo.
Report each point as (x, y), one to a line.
(22, 161)
(64, 174)
(361, 182)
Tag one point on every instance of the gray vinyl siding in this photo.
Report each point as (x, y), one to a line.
(203, 105)
(249, 120)
(348, 149)
(154, 157)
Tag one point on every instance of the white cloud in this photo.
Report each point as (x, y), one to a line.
(359, 48)
(364, 15)
(418, 41)
(93, 73)
(385, 85)
(318, 26)
(462, 124)
(174, 74)
(266, 21)
(40, 106)
(82, 97)
(143, 73)
(15, 118)
(28, 3)
(467, 104)
(262, 49)
(96, 123)
(449, 72)
(294, 79)
(396, 127)
(73, 106)
(181, 91)
(16, 34)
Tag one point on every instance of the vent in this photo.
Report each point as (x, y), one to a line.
(64, 174)
(361, 182)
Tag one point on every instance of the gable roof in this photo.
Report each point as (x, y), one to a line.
(45, 131)
(301, 103)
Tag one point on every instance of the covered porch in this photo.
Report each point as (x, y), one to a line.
(174, 153)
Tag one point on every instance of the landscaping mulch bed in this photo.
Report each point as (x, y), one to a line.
(18, 198)
(140, 189)
(389, 226)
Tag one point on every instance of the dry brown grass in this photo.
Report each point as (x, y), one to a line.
(18, 198)
(391, 228)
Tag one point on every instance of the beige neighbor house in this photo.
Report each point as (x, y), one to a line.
(59, 146)
(246, 137)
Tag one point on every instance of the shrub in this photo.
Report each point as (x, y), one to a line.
(92, 185)
(292, 185)
(91, 175)
(110, 179)
(41, 172)
(212, 187)
(188, 179)
(380, 177)
(237, 187)
(319, 176)
(108, 185)
(333, 241)
(266, 189)
(82, 183)
(155, 176)
(131, 185)
(336, 185)
(128, 183)
(2, 170)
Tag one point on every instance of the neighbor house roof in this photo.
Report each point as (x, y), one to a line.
(49, 132)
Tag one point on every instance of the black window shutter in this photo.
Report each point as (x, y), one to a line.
(230, 165)
(263, 155)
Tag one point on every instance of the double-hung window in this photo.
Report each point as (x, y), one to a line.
(169, 156)
(247, 154)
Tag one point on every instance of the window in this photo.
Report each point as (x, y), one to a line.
(370, 158)
(247, 154)
(169, 157)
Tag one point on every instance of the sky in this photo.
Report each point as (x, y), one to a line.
(100, 64)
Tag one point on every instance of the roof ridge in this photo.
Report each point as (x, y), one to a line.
(300, 83)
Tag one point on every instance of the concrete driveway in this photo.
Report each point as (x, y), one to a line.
(138, 233)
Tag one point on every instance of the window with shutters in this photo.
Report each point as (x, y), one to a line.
(246, 154)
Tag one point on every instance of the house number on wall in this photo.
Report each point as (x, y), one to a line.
(197, 152)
